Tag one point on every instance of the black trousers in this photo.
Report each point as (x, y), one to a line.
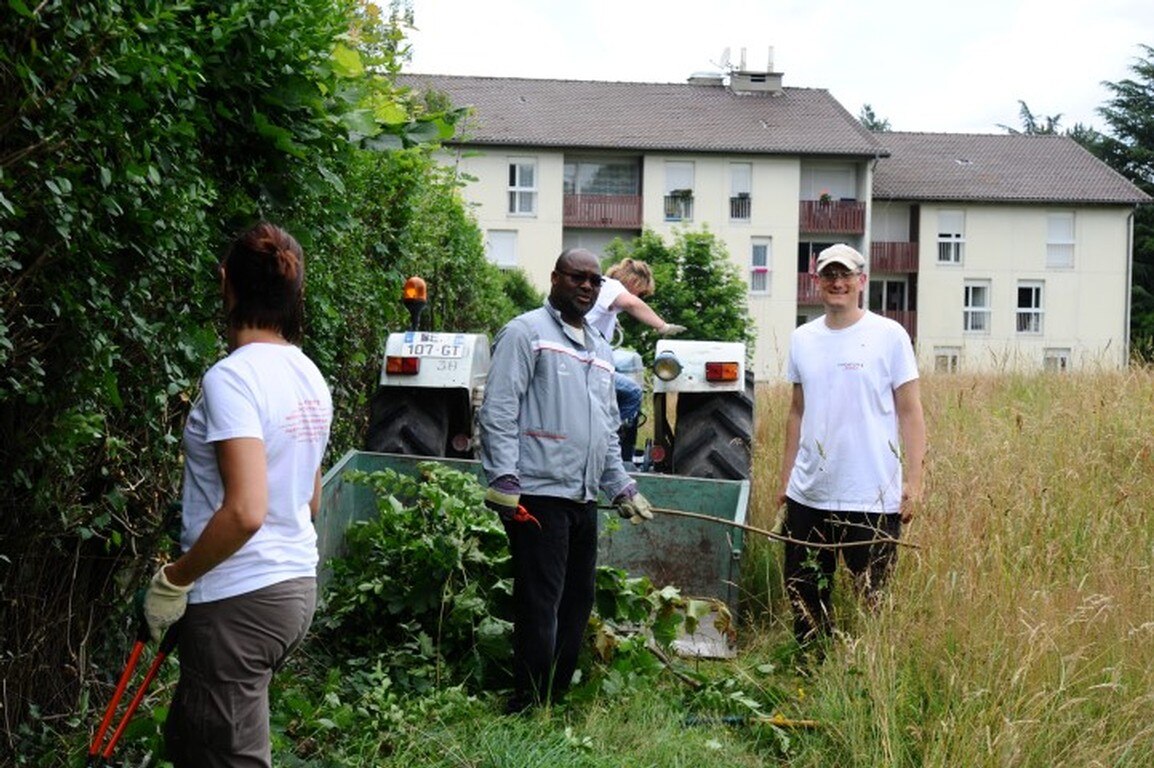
(809, 571)
(553, 581)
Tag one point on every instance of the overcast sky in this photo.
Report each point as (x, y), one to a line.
(933, 65)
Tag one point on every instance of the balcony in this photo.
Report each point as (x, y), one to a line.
(836, 217)
(908, 318)
(603, 211)
(740, 208)
(679, 207)
(894, 257)
(807, 289)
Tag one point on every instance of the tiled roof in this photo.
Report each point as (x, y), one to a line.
(577, 114)
(996, 168)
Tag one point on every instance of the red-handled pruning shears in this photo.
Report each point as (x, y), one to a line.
(97, 757)
(522, 515)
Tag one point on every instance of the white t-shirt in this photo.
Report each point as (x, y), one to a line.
(601, 316)
(848, 457)
(275, 393)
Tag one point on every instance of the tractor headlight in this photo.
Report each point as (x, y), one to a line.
(666, 366)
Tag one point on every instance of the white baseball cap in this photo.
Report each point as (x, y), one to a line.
(840, 253)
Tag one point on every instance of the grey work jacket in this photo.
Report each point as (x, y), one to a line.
(549, 417)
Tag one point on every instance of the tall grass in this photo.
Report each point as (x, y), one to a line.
(1021, 632)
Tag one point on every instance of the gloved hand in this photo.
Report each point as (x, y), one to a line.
(164, 603)
(670, 329)
(504, 504)
(636, 508)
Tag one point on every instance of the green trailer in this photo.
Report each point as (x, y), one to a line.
(700, 557)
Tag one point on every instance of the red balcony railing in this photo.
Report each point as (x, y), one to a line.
(907, 317)
(603, 211)
(841, 217)
(807, 289)
(893, 257)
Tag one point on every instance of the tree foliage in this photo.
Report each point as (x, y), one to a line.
(871, 121)
(1034, 125)
(1129, 149)
(135, 138)
(698, 286)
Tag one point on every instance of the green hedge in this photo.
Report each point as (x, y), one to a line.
(135, 138)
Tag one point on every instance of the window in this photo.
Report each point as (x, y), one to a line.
(837, 181)
(951, 236)
(1030, 306)
(759, 260)
(678, 191)
(602, 176)
(501, 247)
(946, 359)
(522, 186)
(887, 295)
(1060, 240)
(740, 186)
(1056, 360)
(976, 309)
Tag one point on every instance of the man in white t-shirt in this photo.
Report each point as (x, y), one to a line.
(855, 418)
(624, 289)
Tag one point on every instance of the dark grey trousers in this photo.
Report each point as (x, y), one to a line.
(229, 650)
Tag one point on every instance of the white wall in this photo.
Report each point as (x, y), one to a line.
(773, 214)
(1084, 306)
(538, 237)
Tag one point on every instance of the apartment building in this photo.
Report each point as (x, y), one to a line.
(1018, 249)
(778, 173)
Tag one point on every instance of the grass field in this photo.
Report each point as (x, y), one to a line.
(1022, 630)
(1019, 633)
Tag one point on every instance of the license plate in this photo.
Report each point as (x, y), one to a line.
(432, 345)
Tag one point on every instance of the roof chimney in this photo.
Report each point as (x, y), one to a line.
(744, 80)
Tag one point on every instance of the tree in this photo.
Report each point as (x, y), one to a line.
(1032, 125)
(871, 121)
(1129, 149)
(698, 286)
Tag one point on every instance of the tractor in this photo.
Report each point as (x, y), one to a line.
(432, 383)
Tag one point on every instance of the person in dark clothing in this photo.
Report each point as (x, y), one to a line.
(548, 427)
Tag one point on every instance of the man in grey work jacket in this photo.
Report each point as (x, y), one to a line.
(548, 444)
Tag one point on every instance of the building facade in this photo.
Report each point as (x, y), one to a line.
(1027, 276)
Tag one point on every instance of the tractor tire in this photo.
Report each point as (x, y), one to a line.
(714, 434)
(412, 422)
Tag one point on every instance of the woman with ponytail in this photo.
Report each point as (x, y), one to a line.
(244, 589)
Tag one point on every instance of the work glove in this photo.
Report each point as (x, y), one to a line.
(636, 508)
(507, 508)
(503, 503)
(164, 603)
(670, 329)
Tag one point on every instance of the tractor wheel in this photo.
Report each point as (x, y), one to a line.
(413, 422)
(714, 434)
